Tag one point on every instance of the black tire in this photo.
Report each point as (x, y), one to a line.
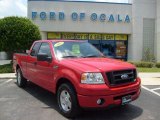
(74, 108)
(21, 81)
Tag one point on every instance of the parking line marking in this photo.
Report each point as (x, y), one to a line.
(9, 80)
(6, 82)
(156, 89)
(151, 91)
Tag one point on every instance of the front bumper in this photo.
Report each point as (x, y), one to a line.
(115, 99)
(110, 96)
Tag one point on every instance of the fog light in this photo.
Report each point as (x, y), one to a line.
(100, 101)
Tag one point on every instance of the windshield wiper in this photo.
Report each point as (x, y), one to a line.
(69, 56)
(89, 56)
(102, 56)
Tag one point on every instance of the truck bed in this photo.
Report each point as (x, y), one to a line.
(22, 58)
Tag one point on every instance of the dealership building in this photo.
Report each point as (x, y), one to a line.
(127, 31)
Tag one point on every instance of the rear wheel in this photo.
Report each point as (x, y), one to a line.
(67, 101)
(21, 81)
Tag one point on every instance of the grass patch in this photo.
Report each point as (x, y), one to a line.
(148, 69)
(7, 68)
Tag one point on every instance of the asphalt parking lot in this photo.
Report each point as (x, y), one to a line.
(34, 103)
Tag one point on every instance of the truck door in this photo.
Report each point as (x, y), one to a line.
(44, 68)
(32, 62)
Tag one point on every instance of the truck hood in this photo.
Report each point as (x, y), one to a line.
(96, 64)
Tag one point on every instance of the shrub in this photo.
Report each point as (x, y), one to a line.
(6, 68)
(158, 65)
(1, 43)
(17, 34)
(142, 64)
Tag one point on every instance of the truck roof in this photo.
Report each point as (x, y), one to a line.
(60, 40)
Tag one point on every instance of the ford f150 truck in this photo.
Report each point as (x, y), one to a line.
(79, 75)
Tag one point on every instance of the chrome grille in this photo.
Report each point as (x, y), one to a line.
(121, 77)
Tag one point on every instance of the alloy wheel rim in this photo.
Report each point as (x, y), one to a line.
(65, 101)
(18, 78)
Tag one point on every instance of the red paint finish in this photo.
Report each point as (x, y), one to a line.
(47, 74)
(91, 101)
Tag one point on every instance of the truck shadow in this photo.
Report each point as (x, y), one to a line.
(128, 112)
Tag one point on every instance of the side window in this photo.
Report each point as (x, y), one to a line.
(35, 49)
(45, 49)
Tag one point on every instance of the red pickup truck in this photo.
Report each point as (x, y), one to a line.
(80, 75)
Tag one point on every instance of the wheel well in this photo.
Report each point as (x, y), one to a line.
(64, 80)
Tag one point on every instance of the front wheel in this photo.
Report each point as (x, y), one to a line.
(67, 101)
(21, 81)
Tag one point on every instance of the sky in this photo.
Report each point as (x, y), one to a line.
(19, 7)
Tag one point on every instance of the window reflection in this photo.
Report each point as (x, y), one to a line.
(108, 48)
(95, 43)
(112, 48)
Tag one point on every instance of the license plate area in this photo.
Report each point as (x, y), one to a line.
(126, 99)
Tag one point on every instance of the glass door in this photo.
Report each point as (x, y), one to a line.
(121, 46)
(121, 50)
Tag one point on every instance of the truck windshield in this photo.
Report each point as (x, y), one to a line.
(73, 49)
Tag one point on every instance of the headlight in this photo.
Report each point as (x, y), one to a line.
(92, 78)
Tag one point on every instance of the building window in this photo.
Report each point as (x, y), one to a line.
(111, 45)
(108, 48)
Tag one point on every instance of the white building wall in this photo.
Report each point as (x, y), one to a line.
(68, 25)
(158, 32)
(44, 35)
(140, 9)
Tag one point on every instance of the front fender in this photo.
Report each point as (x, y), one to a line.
(70, 75)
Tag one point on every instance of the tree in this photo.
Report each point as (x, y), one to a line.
(17, 34)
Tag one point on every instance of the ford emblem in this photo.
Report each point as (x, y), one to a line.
(124, 76)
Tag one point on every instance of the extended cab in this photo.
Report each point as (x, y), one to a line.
(78, 74)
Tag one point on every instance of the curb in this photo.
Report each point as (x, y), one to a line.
(8, 76)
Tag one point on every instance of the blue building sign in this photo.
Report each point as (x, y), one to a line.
(81, 16)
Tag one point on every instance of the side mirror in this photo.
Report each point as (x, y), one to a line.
(43, 57)
(27, 51)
